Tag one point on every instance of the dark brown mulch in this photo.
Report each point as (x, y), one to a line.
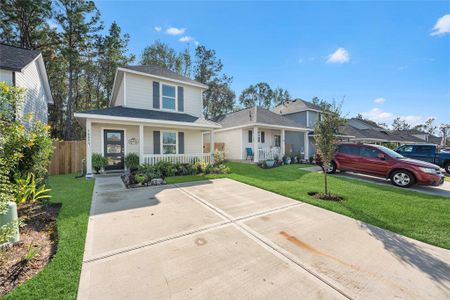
(39, 230)
(323, 196)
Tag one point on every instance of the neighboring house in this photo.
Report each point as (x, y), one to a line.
(258, 131)
(423, 136)
(305, 114)
(154, 112)
(25, 68)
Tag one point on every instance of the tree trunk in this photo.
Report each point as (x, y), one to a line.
(325, 181)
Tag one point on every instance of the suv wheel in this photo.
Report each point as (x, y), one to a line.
(402, 178)
(447, 167)
(331, 169)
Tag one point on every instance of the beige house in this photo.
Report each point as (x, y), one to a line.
(155, 113)
(257, 134)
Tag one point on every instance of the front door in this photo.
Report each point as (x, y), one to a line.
(114, 149)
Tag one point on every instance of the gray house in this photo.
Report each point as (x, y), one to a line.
(304, 113)
(25, 68)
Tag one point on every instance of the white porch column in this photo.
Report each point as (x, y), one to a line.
(141, 144)
(211, 145)
(283, 143)
(88, 148)
(255, 145)
(306, 145)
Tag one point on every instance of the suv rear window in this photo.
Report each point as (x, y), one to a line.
(347, 149)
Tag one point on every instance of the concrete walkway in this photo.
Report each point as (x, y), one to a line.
(442, 190)
(227, 240)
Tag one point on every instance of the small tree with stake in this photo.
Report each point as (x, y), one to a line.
(325, 134)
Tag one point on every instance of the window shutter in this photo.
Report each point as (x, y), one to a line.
(180, 142)
(263, 137)
(180, 98)
(155, 94)
(156, 142)
(250, 136)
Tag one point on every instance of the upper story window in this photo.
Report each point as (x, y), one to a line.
(169, 96)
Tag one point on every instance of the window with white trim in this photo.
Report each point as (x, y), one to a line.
(169, 143)
(169, 96)
(261, 137)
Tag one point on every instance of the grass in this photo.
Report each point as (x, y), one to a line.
(419, 216)
(59, 280)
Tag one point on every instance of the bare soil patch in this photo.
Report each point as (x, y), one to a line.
(323, 196)
(21, 261)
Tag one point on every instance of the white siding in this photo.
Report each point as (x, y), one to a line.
(6, 75)
(120, 95)
(192, 138)
(139, 94)
(233, 143)
(35, 97)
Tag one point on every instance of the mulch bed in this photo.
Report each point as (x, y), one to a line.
(323, 196)
(39, 230)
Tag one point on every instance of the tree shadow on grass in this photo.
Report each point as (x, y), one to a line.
(409, 252)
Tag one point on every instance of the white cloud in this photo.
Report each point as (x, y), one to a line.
(175, 31)
(379, 100)
(380, 116)
(157, 28)
(186, 39)
(339, 56)
(442, 26)
(300, 60)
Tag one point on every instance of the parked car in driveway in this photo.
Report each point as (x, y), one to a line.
(383, 162)
(428, 153)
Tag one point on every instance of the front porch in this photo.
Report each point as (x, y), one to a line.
(151, 142)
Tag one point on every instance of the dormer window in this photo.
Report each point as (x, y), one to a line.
(169, 96)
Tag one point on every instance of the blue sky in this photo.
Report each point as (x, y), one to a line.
(396, 52)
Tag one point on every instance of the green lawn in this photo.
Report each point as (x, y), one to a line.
(419, 216)
(59, 280)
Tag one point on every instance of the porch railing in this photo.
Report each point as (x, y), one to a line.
(272, 153)
(177, 158)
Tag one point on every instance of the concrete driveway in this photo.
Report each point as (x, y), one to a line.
(222, 239)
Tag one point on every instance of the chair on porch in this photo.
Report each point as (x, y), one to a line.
(249, 153)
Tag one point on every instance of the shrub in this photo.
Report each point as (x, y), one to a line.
(140, 178)
(219, 157)
(98, 162)
(150, 171)
(165, 168)
(132, 161)
(220, 169)
(28, 189)
(201, 167)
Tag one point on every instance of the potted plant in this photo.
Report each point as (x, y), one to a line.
(286, 160)
(98, 162)
(270, 163)
(132, 161)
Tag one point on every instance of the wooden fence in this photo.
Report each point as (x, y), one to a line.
(67, 157)
(217, 146)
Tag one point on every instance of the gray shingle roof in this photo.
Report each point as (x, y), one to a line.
(294, 106)
(162, 72)
(385, 135)
(137, 113)
(15, 58)
(254, 115)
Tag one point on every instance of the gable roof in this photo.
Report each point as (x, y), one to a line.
(381, 135)
(254, 115)
(145, 114)
(368, 123)
(15, 58)
(163, 72)
(294, 106)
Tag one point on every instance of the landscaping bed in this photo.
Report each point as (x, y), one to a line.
(38, 243)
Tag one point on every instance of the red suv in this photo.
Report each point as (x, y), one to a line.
(383, 162)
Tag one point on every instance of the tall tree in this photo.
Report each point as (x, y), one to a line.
(280, 96)
(259, 94)
(24, 22)
(400, 124)
(113, 53)
(427, 127)
(79, 21)
(161, 54)
(218, 98)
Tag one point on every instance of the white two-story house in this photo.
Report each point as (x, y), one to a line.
(155, 113)
(25, 68)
